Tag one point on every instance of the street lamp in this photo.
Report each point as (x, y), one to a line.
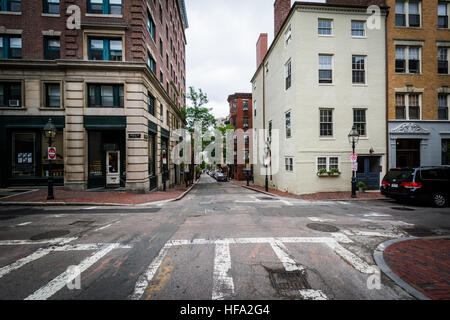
(353, 138)
(50, 134)
(266, 161)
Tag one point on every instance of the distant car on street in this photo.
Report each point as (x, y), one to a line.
(429, 184)
(220, 177)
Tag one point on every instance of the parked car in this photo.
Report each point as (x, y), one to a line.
(220, 177)
(430, 184)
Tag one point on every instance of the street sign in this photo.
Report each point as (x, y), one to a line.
(51, 153)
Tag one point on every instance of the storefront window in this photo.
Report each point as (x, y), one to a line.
(96, 154)
(24, 154)
(58, 164)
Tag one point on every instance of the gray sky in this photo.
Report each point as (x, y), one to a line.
(221, 49)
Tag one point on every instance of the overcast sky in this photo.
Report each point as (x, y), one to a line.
(221, 46)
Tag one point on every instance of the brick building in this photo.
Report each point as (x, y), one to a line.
(418, 38)
(111, 76)
(241, 117)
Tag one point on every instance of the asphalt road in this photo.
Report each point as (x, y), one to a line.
(221, 241)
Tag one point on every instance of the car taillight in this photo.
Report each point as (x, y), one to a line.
(385, 183)
(411, 185)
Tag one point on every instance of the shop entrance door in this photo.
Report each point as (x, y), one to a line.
(112, 169)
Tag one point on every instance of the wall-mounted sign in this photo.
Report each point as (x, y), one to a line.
(134, 136)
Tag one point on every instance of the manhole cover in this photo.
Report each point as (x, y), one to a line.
(420, 232)
(7, 217)
(288, 280)
(50, 234)
(402, 209)
(267, 198)
(82, 223)
(322, 227)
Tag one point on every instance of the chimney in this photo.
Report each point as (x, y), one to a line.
(281, 11)
(261, 49)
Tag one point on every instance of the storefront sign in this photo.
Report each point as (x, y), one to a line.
(51, 153)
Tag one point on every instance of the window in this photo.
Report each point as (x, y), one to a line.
(151, 62)
(288, 125)
(52, 48)
(288, 71)
(150, 25)
(358, 70)
(51, 6)
(151, 104)
(326, 122)
(288, 36)
(358, 29)
(105, 6)
(52, 95)
(445, 152)
(10, 47)
(325, 26)
(442, 15)
(408, 106)
(410, 54)
(327, 163)
(359, 120)
(443, 60)
(105, 49)
(289, 164)
(407, 13)
(106, 96)
(10, 94)
(443, 107)
(325, 69)
(10, 5)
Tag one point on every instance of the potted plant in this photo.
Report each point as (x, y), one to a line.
(322, 172)
(361, 186)
(334, 172)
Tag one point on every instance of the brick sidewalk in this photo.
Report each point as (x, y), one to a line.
(315, 196)
(424, 264)
(94, 197)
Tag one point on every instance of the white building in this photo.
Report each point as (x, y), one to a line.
(324, 72)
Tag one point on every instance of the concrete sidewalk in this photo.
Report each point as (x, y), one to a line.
(38, 196)
(371, 195)
(421, 266)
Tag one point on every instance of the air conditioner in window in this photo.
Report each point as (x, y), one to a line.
(14, 103)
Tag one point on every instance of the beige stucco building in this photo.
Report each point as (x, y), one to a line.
(324, 72)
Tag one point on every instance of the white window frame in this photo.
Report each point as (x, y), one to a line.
(289, 164)
(406, 7)
(328, 163)
(407, 47)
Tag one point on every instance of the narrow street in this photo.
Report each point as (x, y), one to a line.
(221, 241)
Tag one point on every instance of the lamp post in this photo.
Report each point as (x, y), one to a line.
(50, 133)
(267, 161)
(353, 138)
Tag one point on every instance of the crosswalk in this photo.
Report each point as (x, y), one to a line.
(223, 285)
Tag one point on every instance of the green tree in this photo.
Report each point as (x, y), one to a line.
(197, 110)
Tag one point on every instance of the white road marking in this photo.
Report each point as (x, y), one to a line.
(147, 277)
(282, 253)
(23, 224)
(66, 277)
(223, 285)
(32, 257)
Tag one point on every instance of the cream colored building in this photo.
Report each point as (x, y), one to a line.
(324, 72)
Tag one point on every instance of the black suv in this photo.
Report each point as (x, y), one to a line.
(421, 184)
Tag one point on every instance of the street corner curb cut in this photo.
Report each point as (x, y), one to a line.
(379, 260)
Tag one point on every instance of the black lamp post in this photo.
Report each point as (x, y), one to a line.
(267, 160)
(50, 133)
(353, 138)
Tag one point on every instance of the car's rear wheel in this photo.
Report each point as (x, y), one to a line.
(439, 200)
